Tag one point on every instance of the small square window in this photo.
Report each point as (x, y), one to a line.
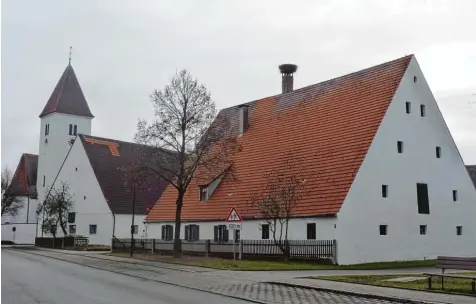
(459, 230)
(438, 152)
(384, 191)
(422, 229)
(422, 110)
(455, 195)
(383, 229)
(72, 229)
(408, 107)
(93, 229)
(400, 146)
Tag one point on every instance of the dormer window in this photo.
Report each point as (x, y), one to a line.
(203, 193)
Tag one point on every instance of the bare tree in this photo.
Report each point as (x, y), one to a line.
(194, 142)
(281, 191)
(55, 209)
(11, 204)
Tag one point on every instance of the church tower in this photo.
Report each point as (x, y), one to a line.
(65, 115)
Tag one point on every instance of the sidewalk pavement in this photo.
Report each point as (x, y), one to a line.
(377, 291)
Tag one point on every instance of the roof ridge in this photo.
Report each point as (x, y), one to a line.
(83, 136)
(351, 74)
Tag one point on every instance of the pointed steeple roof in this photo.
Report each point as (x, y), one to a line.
(67, 97)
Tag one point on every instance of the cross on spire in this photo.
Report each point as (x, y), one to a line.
(70, 50)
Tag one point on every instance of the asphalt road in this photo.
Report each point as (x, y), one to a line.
(32, 279)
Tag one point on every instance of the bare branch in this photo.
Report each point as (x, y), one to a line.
(11, 203)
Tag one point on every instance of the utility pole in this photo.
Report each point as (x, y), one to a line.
(133, 215)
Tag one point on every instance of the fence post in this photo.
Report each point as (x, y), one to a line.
(334, 251)
(207, 248)
(240, 250)
(153, 246)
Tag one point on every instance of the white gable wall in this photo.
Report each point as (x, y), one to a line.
(89, 203)
(364, 209)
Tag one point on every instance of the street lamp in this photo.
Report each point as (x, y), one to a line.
(133, 215)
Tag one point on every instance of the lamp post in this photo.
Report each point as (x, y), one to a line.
(133, 215)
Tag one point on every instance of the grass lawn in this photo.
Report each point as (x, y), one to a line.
(451, 284)
(270, 265)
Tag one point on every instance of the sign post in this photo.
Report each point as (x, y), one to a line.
(234, 222)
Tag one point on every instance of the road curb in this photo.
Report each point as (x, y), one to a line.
(142, 278)
(94, 256)
(352, 293)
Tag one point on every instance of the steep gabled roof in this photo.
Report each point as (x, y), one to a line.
(24, 180)
(67, 97)
(330, 125)
(472, 173)
(107, 158)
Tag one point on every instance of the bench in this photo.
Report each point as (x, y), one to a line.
(460, 263)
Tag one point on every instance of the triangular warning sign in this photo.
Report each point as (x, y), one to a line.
(233, 216)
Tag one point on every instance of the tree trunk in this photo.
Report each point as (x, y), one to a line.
(178, 219)
(63, 227)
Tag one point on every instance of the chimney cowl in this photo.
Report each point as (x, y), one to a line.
(288, 68)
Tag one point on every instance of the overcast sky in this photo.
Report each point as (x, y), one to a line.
(123, 50)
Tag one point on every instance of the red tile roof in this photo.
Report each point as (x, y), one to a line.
(67, 97)
(330, 125)
(108, 157)
(24, 180)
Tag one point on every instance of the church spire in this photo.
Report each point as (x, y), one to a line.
(67, 97)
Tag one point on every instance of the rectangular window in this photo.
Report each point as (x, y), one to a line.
(237, 236)
(400, 146)
(192, 233)
(383, 229)
(70, 129)
(44, 180)
(422, 229)
(71, 217)
(220, 233)
(265, 231)
(167, 232)
(135, 229)
(459, 230)
(47, 129)
(75, 130)
(93, 229)
(408, 107)
(455, 195)
(422, 110)
(311, 231)
(384, 191)
(423, 201)
(438, 152)
(203, 193)
(72, 229)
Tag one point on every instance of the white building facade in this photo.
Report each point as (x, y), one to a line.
(410, 199)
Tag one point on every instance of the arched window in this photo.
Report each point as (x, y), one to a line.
(75, 130)
(70, 129)
(47, 129)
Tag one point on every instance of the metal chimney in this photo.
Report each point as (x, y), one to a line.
(287, 70)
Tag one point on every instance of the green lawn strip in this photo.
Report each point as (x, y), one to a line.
(257, 265)
(451, 284)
